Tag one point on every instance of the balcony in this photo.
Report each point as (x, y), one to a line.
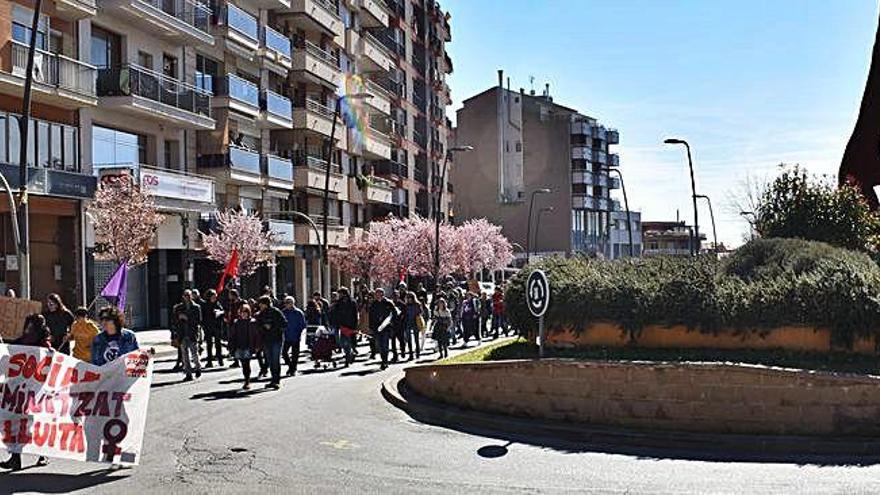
(337, 234)
(581, 128)
(285, 234)
(316, 15)
(582, 177)
(318, 118)
(374, 13)
(146, 93)
(373, 54)
(391, 168)
(279, 172)
(74, 10)
(377, 145)
(614, 183)
(600, 156)
(421, 176)
(317, 65)
(613, 136)
(244, 165)
(614, 205)
(171, 189)
(599, 133)
(58, 80)
(238, 94)
(241, 30)
(381, 99)
(183, 22)
(613, 160)
(583, 202)
(276, 52)
(378, 191)
(277, 111)
(310, 174)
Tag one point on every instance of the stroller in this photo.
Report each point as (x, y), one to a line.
(323, 346)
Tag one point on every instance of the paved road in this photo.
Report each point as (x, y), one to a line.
(331, 432)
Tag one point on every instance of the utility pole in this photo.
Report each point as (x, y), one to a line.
(24, 262)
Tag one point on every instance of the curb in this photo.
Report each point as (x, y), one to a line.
(578, 437)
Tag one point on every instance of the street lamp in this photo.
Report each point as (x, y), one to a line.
(693, 188)
(625, 205)
(712, 216)
(542, 190)
(24, 262)
(328, 151)
(545, 209)
(438, 213)
(321, 252)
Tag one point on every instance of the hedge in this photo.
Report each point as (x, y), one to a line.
(765, 284)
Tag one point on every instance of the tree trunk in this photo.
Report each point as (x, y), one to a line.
(861, 158)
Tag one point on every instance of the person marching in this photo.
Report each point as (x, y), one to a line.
(273, 325)
(296, 323)
(212, 319)
(244, 341)
(442, 325)
(345, 313)
(58, 319)
(82, 334)
(187, 319)
(382, 312)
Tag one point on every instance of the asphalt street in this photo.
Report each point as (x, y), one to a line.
(332, 432)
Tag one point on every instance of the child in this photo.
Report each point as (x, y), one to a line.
(82, 333)
(442, 324)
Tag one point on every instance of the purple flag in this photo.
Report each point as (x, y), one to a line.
(116, 287)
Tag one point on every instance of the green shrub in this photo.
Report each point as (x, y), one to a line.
(766, 284)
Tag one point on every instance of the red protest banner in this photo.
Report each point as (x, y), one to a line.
(54, 405)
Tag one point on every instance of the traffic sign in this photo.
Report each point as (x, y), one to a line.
(537, 293)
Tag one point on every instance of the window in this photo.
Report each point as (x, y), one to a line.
(169, 65)
(71, 148)
(43, 158)
(206, 71)
(172, 155)
(518, 147)
(145, 60)
(4, 121)
(111, 146)
(105, 48)
(22, 20)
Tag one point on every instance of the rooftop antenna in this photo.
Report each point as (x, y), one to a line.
(532, 84)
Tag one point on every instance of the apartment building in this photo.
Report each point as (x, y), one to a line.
(619, 233)
(523, 144)
(57, 178)
(669, 238)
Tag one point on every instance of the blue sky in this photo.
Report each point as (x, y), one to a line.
(749, 84)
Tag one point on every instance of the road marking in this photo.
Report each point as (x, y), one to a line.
(341, 444)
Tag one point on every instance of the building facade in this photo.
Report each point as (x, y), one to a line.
(669, 238)
(524, 143)
(223, 104)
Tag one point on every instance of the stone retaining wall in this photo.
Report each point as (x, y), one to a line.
(716, 398)
(680, 337)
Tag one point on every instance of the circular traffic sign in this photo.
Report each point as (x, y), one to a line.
(537, 293)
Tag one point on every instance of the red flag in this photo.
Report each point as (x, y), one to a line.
(231, 270)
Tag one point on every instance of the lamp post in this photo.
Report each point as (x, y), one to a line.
(328, 156)
(545, 209)
(693, 189)
(321, 253)
(542, 190)
(629, 227)
(712, 216)
(438, 213)
(24, 263)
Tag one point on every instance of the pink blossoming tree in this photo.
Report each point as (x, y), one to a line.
(125, 220)
(242, 231)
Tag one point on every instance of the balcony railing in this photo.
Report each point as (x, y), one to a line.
(314, 106)
(421, 176)
(390, 167)
(242, 23)
(316, 163)
(276, 42)
(279, 168)
(193, 13)
(241, 90)
(244, 160)
(278, 105)
(55, 70)
(134, 80)
(316, 51)
(613, 160)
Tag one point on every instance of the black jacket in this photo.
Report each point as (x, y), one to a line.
(186, 320)
(344, 313)
(210, 320)
(272, 324)
(379, 310)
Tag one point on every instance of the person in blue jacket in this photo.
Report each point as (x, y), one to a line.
(114, 340)
(296, 323)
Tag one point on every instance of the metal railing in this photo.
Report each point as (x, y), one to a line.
(134, 80)
(390, 167)
(421, 176)
(193, 13)
(242, 22)
(241, 89)
(277, 42)
(316, 163)
(329, 6)
(613, 160)
(279, 168)
(278, 105)
(314, 106)
(327, 57)
(55, 69)
(244, 160)
(378, 44)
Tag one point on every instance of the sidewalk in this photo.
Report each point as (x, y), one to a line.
(160, 340)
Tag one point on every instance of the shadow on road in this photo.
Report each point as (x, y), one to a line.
(56, 483)
(232, 393)
(493, 451)
(364, 372)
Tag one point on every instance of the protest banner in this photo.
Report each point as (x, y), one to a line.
(13, 311)
(55, 405)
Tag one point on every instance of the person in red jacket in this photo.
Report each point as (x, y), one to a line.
(36, 333)
(498, 320)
